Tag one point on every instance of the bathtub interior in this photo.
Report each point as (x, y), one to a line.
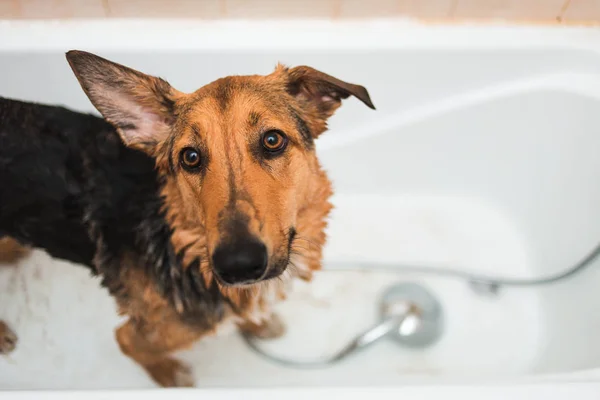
(479, 160)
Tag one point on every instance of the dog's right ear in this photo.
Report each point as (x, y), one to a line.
(139, 106)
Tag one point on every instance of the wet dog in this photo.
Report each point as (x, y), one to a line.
(193, 208)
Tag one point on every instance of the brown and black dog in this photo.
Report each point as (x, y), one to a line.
(193, 208)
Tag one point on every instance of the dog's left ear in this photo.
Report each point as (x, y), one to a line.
(320, 94)
(139, 106)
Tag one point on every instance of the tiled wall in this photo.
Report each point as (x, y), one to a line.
(518, 11)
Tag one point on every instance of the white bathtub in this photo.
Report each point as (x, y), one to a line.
(481, 157)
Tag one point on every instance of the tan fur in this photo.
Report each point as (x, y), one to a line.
(271, 328)
(11, 250)
(8, 339)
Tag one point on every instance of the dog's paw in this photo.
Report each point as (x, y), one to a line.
(8, 339)
(272, 328)
(171, 373)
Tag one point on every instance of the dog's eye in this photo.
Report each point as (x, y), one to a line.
(274, 141)
(190, 158)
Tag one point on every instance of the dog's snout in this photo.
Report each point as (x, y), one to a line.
(240, 262)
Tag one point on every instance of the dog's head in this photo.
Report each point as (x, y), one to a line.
(243, 187)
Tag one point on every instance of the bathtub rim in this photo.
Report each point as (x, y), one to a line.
(120, 34)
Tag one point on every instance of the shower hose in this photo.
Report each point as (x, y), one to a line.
(373, 334)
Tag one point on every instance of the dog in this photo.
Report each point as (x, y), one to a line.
(194, 209)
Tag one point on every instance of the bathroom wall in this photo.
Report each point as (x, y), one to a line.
(514, 11)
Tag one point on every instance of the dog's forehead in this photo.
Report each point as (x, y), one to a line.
(228, 91)
(246, 100)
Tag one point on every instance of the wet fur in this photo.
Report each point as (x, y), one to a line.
(109, 195)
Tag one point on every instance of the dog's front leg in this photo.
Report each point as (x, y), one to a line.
(11, 250)
(270, 328)
(150, 345)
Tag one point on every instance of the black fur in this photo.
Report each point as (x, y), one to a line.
(69, 185)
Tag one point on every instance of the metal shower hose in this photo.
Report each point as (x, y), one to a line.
(375, 333)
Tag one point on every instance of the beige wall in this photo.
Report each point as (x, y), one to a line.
(518, 11)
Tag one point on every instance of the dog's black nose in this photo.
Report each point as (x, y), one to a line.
(241, 262)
